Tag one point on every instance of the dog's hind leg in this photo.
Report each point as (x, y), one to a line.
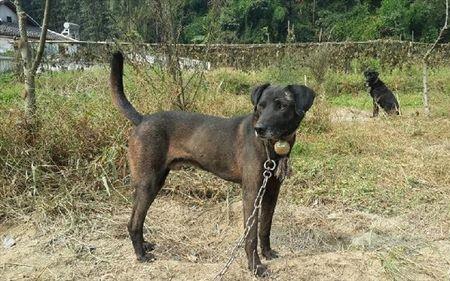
(146, 190)
(267, 209)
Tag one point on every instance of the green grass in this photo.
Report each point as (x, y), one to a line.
(348, 89)
(360, 101)
(10, 89)
(363, 100)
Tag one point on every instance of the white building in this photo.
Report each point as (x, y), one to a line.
(9, 28)
(9, 32)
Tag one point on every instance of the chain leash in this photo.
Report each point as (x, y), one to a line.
(269, 167)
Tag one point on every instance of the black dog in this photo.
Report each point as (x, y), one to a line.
(381, 95)
(234, 149)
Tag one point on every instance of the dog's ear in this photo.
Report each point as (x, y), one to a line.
(303, 97)
(257, 92)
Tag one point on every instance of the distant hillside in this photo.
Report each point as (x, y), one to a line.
(248, 21)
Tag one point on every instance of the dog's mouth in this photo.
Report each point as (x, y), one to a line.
(370, 81)
(271, 135)
(266, 135)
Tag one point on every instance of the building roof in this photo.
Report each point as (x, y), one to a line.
(34, 32)
(9, 29)
(12, 7)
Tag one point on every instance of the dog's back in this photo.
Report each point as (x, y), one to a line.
(384, 98)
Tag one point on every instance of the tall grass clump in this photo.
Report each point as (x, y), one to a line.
(318, 63)
(318, 119)
(232, 81)
(81, 140)
(288, 70)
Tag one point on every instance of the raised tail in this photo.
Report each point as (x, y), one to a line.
(118, 95)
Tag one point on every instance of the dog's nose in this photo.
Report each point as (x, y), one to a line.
(260, 130)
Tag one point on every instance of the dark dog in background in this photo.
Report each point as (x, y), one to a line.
(381, 95)
(234, 149)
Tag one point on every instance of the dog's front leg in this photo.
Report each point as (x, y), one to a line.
(250, 191)
(376, 109)
(267, 209)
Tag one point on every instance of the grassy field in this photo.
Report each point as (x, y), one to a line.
(369, 197)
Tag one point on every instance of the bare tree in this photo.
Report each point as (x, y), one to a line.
(29, 64)
(184, 83)
(442, 33)
(179, 77)
(168, 19)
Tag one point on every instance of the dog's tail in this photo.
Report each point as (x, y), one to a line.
(118, 94)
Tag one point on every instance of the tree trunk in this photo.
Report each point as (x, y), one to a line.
(426, 105)
(443, 31)
(25, 51)
(30, 98)
(30, 66)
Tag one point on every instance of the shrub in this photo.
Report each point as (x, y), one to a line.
(318, 63)
(359, 65)
(232, 81)
(339, 83)
(318, 119)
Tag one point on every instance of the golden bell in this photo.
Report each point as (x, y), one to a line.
(282, 147)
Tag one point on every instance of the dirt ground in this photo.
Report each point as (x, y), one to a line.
(315, 243)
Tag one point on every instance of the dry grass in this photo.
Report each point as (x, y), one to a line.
(369, 199)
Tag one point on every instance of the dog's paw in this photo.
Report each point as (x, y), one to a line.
(260, 270)
(148, 247)
(146, 258)
(270, 254)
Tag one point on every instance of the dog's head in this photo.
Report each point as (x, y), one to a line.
(371, 76)
(279, 110)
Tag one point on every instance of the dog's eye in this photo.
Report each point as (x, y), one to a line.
(260, 106)
(281, 106)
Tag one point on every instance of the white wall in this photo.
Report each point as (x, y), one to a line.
(5, 45)
(6, 12)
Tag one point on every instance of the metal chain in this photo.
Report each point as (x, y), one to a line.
(269, 167)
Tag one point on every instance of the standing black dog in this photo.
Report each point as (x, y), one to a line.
(234, 149)
(381, 95)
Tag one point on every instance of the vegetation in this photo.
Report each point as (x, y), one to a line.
(88, 144)
(72, 185)
(368, 196)
(247, 21)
